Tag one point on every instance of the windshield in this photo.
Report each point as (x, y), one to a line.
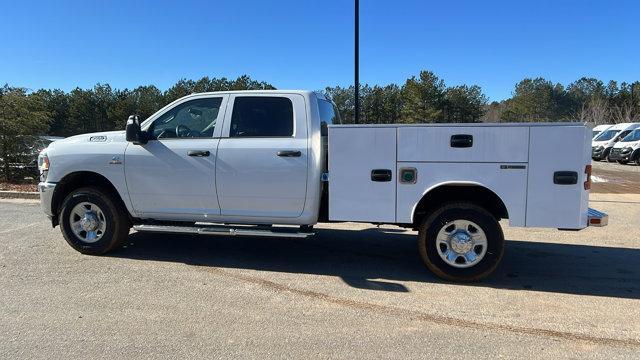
(606, 135)
(633, 136)
(595, 133)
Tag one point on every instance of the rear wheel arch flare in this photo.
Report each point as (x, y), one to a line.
(456, 191)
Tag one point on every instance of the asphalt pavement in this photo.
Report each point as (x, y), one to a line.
(351, 291)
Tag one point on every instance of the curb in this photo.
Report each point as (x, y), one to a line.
(19, 195)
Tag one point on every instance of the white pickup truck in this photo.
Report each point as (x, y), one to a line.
(274, 163)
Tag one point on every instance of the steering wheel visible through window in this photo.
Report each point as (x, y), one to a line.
(192, 119)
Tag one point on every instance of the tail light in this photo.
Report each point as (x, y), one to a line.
(587, 184)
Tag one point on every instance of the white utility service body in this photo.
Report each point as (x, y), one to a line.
(514, 161)
(258, 162)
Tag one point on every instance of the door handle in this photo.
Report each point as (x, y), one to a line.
(199, 153)
(461, 141)
(381, 175)
(289, 153)
(565, 177)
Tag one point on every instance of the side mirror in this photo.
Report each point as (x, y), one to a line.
(134, 133)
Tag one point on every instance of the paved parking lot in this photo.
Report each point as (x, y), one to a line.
(614, 178)
(353, 290)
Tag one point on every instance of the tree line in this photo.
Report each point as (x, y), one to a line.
(26, 114)
(102, 108)
(423, 98)
(586, 99)
(426, 98)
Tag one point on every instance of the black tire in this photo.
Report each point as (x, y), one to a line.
(447, 213)
(117, 224)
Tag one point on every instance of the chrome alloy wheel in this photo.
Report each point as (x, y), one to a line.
(461, 243)
(87, 222)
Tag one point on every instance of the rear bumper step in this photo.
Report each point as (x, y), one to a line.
(223, 230)
(597, 218)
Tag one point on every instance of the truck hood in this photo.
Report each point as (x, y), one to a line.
(92, 138)
(631, 144)
(605, 143)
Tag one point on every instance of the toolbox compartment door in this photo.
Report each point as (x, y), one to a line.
(362, 174)
(556, 196)
(500, 143)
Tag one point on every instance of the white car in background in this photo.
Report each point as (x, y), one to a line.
(603, 143)
(600, 128)
(627, 149)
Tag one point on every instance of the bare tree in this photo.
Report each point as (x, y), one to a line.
(596, 111)
(624, 114)
(493, 112)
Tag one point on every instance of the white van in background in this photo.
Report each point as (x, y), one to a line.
(627, 149)
(603, 143)
(600, 128)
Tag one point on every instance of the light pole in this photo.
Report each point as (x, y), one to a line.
(356, 115)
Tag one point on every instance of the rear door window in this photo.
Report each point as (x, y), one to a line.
(328, 115)
(262, 116)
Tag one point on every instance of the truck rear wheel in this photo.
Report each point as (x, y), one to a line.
(92, 222)
(461, 241)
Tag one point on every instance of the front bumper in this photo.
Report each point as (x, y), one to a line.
(599, 153)
(46, 197)
(597, 218)
(619, 154)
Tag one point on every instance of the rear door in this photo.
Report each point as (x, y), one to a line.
(261, 169)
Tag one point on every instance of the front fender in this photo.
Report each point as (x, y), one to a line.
(105, 159)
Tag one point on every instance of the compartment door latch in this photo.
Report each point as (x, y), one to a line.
(381, 175)
(461, 141)
(565, 177)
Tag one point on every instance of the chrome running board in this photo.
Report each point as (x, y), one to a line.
(222, 230)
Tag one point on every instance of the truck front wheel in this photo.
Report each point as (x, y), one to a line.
(461, 241)
(92, 222)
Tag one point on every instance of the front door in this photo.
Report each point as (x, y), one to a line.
(173, 175)
(262, 157)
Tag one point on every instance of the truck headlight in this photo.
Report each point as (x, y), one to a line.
(43, 166)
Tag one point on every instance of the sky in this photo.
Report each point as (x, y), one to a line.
(305, 44)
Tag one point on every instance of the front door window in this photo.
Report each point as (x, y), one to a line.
(192, 119)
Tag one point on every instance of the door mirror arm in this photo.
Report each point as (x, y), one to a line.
(133, 131)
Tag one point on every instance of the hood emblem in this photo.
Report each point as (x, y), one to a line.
(99, 138)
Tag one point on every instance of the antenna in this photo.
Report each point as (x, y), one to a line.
(356, 115)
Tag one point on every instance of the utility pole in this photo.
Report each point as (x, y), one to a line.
(356, 115)
(633, 104)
